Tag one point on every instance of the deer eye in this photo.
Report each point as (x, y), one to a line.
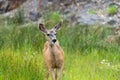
(48, 34)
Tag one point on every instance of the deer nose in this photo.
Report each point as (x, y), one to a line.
(54, 40)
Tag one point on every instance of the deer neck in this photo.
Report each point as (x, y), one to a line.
(53, 47)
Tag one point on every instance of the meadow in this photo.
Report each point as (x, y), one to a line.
(87, 55)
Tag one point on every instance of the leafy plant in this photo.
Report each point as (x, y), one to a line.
(52, 18)
(112, 10)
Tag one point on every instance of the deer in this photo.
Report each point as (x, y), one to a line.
(53, 54)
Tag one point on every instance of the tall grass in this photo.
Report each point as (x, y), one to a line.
(21, 65)
(82, 37)
(87, 55)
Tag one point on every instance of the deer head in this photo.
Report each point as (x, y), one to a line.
(51, 33)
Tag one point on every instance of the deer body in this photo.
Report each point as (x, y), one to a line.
(53, 54)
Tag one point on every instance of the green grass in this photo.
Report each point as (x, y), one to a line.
(89, 67)
(92, 11)
(112, 10)
(87, 56)
(22, 65)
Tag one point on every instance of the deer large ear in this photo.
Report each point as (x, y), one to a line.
(57, 27)
(42, 28)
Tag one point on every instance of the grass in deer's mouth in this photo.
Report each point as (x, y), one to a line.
(87, 56)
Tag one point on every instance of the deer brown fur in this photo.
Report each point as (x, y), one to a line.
(53, 53)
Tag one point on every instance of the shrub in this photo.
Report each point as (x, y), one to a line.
(52, 18)
(112, 10)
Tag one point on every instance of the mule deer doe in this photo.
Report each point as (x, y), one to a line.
(53, 53)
